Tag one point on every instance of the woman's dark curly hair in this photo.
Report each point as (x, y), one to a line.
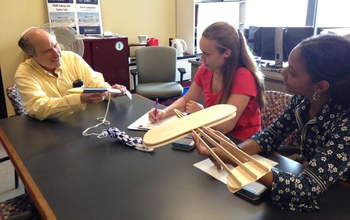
(327, 57)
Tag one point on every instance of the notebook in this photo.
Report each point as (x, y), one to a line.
(143, 123)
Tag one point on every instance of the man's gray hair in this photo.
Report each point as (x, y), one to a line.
(24, 43)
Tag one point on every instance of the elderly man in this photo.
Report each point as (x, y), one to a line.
(44, 79)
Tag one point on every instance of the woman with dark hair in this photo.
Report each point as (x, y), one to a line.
(228, 75)
(319, 76)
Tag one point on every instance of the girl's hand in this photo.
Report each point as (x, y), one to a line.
(192, 106)
(154, 118)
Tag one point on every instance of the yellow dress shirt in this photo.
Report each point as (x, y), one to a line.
(45, 95)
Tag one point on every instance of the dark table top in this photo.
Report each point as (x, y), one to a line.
(90, 178)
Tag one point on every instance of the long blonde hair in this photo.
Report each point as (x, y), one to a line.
(227, 37)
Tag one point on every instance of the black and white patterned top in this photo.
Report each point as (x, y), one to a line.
(325, 144)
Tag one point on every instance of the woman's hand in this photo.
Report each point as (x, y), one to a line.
(154, 118)
(204, 151)
(192, 106)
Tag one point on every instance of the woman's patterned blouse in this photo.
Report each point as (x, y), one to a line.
(325, 144)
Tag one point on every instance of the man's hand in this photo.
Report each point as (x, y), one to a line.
(91, 98)
(121, 88)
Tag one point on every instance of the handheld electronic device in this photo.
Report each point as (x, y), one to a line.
(186, 143)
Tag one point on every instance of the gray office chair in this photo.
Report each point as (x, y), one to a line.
(155, 73)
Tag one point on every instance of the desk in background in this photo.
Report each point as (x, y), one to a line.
(76, 177)
(273, 79)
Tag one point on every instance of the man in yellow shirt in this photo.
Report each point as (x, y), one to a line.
(43, 80)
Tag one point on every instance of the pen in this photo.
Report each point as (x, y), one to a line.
(156, 107)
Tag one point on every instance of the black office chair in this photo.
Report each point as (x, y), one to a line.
(156, 72)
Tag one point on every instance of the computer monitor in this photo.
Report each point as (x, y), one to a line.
(279, 46)
(294, 35)
(263, 40)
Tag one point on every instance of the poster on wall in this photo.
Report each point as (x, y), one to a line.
(89, 17)
(83, 15)
(62, 13)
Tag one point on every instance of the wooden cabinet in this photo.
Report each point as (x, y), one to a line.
(110, 56)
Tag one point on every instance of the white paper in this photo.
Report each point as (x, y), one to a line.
(208, 167)
(128, 94)
(143, 122)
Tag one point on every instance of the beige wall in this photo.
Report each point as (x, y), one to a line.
(156, 18)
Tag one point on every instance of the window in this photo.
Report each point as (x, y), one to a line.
(272, 13)
(299, 18)
(297, 13)
(335, 13)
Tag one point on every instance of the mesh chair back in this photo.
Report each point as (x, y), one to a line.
(20, 207)
(276, 103)
(15, 99)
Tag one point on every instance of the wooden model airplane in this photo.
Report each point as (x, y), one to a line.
(245, 172)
